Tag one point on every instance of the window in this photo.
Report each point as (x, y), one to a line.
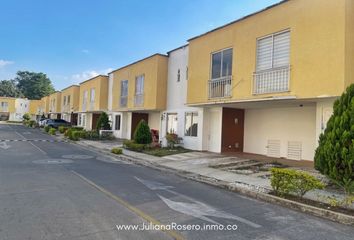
(123, 93)
(178, 75)
(273, 51)
(64, 100)
(139, 91)
(4, 106)
(221, 64)
(139, 85)
(171, 123)
(84, 101)
(191, 124)
(92, 95)
(68, 100)
(79, 121)
(117, 122)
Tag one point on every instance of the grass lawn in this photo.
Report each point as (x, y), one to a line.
(161, 152)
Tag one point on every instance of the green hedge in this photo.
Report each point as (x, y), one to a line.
(117, 150)
(62, 129)
(131, 145)
(46, 128)
(52, 131)
(290, 181)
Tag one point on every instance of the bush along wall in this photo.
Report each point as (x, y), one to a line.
(142, 134)
(334, 156)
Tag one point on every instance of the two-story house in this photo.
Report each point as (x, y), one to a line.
(36, 109)
(70, 98)
(7, 108)
(267, 81)
(54, 102)
(137, 91)
(93, 100)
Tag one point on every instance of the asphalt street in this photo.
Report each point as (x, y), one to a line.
(57, 190)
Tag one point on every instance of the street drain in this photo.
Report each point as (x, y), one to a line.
(53, 161)
(77, 156)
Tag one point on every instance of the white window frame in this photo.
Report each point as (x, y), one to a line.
(185, 123)
(272, 35)
(222, 55)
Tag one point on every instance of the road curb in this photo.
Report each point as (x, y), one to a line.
(319, 212)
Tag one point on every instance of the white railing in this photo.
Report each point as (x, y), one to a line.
(220, 87)
(271, 81)
(123, 101)
(139, 100)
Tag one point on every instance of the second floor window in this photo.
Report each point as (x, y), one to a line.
(92, 95)
(64, 101)
(68, 100)
(221, 64)
(139, 85)
(123, 93)
(178, 75)
(273, 51)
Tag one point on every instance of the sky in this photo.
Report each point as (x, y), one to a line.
(74, 40)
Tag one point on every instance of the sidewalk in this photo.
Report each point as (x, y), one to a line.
(198, 165)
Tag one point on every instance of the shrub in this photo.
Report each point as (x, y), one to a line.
(92, 135)
(289, 181)
(26, 117)
(117, 150)
(46, 128)
(334, 156)
(68, 132)
(52, 131)
(103, 122)
(75, 135)
(172, 139)
(62, 129)
(142, 134)
(31, 123)
(132, 145)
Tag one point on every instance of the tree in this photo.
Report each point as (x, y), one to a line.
(142, 133)
(103, 122)
(8, 88)
(334, 156)
(34, 85)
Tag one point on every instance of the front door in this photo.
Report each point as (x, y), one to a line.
(232, 130)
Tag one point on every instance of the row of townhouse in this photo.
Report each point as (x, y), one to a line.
(13, 109)
(264, 84)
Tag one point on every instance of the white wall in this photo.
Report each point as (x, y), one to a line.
(284, 124)
(177, 98)
(21, 107)
(154, 120)
(125, 125)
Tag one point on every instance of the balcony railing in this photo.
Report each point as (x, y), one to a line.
(123, 101)
(139, 100)
(220, 87)
(271, 81)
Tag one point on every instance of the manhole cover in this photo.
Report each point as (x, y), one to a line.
(53, 161)
(76, 156)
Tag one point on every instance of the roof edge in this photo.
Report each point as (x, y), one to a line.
(240, 19)
(130, 64)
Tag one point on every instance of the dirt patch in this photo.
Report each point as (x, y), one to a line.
(317, 204)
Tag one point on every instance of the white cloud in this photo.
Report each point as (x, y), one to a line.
(80, 77)
(85, 51)
(4, 63)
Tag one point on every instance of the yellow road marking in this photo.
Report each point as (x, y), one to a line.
(173, 234)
